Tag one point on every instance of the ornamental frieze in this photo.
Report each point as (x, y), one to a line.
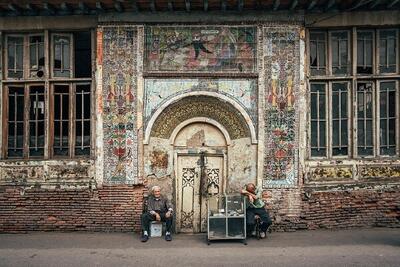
(379, 171)
(191, 107)
(324, 174)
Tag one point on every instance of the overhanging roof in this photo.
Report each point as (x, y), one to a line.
(89, 7)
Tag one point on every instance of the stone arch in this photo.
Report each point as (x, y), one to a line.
(212, 105)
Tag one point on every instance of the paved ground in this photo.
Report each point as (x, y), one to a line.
(357, 247)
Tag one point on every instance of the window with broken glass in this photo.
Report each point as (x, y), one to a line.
(47, 92)
(354, 93)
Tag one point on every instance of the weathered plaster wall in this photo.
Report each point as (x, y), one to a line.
(158, 165)
(49, 174)
(242, 167)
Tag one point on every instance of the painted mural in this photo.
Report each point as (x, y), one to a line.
(197, 48)
(158, 91)
(281, 51)
(119, 104)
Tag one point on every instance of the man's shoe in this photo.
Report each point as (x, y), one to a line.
(168, 237)
(144, 238)
(262, 234)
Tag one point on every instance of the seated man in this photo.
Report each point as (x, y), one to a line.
(159, 208)
(255, 206)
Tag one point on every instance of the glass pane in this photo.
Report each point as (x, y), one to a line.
(15, 121)
(82, 123)
(61, 120)
(383, 104)
(387, 51)
(36, 56)
(387, 107)
(36, 121)
(383, 132)
(339, 52)
(335, 133)
(322, 130)
(335, 105)
(340, 151)
(344, 132)
(318, 123)
(15, 56)
(392, 132)
(62, 46)
(317, 53)
(314, 105)
(365, 118)
(318, 152)
(364, 52)
(339, 116)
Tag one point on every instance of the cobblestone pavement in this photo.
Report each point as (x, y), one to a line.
(354, 247)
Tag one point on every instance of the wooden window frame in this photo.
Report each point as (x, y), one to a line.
(353, 78)
(326, 122)
(374, 49)
(71, 55)
(330, 53)
(73, 140)
(26, 126)
(24, 58)
(326, 48)
(397, 120)
(330, 119)
(377, 40)
(28, 75)
(374, 130)
(47, 81)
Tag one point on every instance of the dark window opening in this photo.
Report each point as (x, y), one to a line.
(82, 119)
(83, 53)
(61, 120)
(16, 100)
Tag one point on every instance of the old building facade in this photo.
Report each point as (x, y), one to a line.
(103, 99)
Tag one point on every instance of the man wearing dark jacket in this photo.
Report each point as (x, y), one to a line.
(159, 208)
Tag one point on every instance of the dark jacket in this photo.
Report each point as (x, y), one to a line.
(161, 204)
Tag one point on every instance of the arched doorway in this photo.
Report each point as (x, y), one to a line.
(200, 152)
(195, 146)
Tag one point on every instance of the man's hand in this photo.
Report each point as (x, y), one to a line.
(168, 214)
(158, 218)
(251, 199)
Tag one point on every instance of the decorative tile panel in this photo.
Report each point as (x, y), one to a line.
(158, 91)
(379, 172)
(323, 174)
(119, 104)
(200, 49)
(281, 65)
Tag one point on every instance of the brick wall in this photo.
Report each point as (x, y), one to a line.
(293, 209)
(111, 208)
(118, 209)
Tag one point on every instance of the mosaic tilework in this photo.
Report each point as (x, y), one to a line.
(119, 105)
(200, 106)
(281, 64)
(199, 48)
(158, 91)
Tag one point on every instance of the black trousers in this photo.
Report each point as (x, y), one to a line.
(264, 217)
(147, 218)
